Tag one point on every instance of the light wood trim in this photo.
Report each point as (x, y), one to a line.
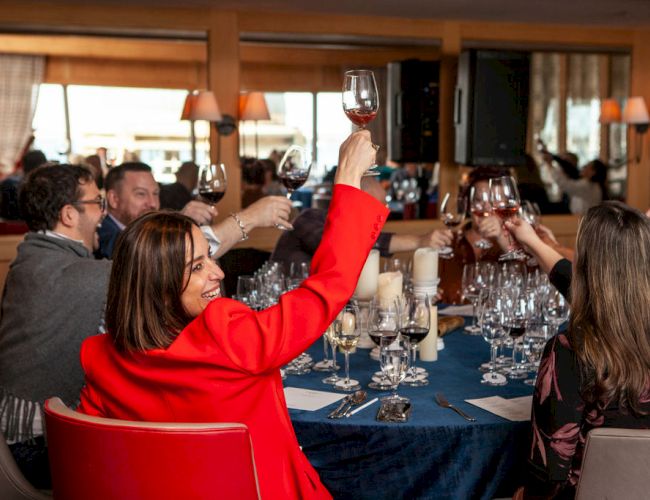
(563, 91)
(8, 246)
(283, 78)
(105, 47)
(223, 78)
(604, 91)
(111, 72)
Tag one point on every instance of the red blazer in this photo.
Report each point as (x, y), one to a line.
(224, 366)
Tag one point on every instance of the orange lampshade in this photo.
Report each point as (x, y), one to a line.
(201, 105)
(610, 111)
(635, 111)
(253, 107)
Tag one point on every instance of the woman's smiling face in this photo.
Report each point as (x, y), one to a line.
(204, 283)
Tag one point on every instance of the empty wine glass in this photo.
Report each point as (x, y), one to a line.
(326, 365)
(493, 332)
(382, 329)
(394, 361)
(556, 310)
(414, 324)
(347, 325)
(452, 214)
(481, 207)
(212, 183)
(331, 336)
(505, 200)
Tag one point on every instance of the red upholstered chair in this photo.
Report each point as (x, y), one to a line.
(103, 458)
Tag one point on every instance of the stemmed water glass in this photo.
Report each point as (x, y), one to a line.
(382, 327)
(331, 336)
(491, 322)
(505, 203)
(360, 100)
(394, 361)
(481, 207)
(347, 329)
(556, 309)
(212, 183)
(535, 340)
(414, 324)
(452, 214)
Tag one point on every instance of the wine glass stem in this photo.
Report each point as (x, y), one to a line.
(414, 350)
(334, 365)
(493, 356)
(325, 350)
(347, 367)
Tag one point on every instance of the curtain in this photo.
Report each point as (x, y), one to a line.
(20, 78)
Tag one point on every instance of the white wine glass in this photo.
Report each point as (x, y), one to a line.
(347, 330)
(481, 208)
(212, 183)
(452, 214)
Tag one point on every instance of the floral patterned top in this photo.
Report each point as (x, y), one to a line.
(560, 418)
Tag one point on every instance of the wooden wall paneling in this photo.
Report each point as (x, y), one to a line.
(562, 125)
(450, 50)
(125, 73)
(289, 78)
(638, 181)
(604, 70)
(223, 80)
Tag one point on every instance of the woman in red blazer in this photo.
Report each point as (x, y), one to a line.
(175, 351)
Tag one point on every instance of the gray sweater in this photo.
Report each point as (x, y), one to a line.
(54, 298)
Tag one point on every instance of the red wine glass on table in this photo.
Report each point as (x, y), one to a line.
(212, 183)
(452, 215)
(361, 100)
(505, 203)
(293, 170)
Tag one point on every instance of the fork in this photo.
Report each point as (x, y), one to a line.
(442, 401)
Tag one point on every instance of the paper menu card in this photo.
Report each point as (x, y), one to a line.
(307, 399)
(515, 409)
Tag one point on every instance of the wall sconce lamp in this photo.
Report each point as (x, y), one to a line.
(202, 105)
(636, 113)
(253, 107)
(610, 111)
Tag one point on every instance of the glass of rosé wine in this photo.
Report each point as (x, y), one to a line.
(505, 204)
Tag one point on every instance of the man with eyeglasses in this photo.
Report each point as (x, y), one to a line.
(53, 299)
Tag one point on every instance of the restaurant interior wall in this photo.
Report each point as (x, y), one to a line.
(226, 64)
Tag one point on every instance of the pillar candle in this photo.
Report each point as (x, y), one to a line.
(348, 323)
(429, 346)
(425, 265)
(389, 286)
(367, 284)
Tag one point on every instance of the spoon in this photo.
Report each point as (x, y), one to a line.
(358, 397)
(351, 399)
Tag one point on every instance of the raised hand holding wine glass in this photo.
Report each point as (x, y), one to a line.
(293, 170)
(212, 183)
(452, 214)
(505, 203)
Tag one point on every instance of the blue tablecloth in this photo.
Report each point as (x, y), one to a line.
(436, 454)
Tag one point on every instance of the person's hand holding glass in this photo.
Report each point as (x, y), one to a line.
(293, 170)
(505, 200)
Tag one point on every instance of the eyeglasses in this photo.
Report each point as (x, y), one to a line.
(100, 201)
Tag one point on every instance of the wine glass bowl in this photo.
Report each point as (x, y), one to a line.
(294, 168)
(360, 97)
(347, 332)
(481, 207)
(505, 201)
(414, 322)
(452, 215)
(212, 183)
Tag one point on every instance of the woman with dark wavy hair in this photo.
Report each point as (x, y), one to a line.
(597, 373)
(177, 352)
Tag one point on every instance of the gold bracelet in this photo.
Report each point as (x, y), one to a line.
(244, 234)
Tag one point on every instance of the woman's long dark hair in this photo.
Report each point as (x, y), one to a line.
(144, 309)
(610, 313)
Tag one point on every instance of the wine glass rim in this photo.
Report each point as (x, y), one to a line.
(354, 72)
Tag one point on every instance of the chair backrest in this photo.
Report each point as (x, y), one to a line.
(616, 464)
(103, 458)
(13, 485)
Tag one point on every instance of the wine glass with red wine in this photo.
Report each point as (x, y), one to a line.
(505, 200)
(212, 183)
(361, 99)
(452, 215)
(294, 169)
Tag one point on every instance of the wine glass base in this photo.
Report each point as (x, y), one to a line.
(380, 385)
(513, 255)
(394, 398)
(483, 244)
(332, 379)
(323, 366)
(494, 379)
(417, 381)
(347, 385)
(516, 374)
(530, 381)
(472, 330)
(485, 367)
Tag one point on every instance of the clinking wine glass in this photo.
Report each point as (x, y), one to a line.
(481, 207)
(360, 100)
(505, 200)
(212, 183)
(452, 214)
(294, 169)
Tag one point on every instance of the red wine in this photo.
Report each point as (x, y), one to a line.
(212, 196)
(505, 211)
(293, 182)
(378, 335)
(360, 117)
(415, 334)
(481, 213)
(517, 331)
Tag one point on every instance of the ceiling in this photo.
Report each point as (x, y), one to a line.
(589, 12)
